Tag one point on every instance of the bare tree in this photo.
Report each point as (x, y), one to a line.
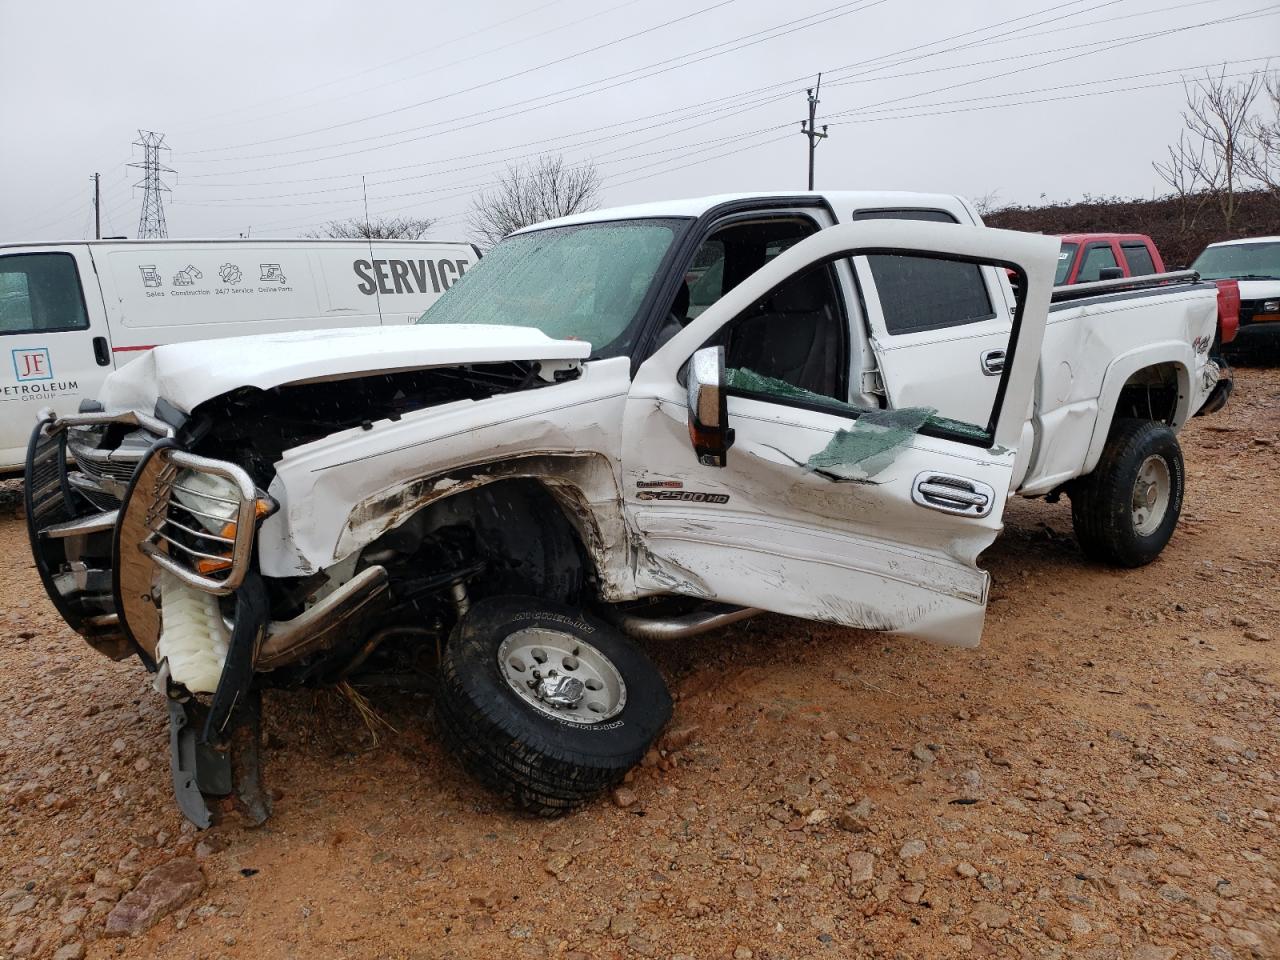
(383, 228)
(1218, 115)
(1181, 172)
(528, 194)
(1262, 160)
(987, 203)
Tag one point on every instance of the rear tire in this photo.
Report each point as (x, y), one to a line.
(1125, 511)
(543, 759)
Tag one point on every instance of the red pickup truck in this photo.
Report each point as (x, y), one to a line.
(1087, 257)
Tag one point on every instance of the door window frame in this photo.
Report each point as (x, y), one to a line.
(1126, 246)
(84, 306)
(663, 294)
(995, 293)
(1095, 245)
(938, 428)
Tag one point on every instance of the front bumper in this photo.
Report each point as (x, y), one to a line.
(101, 535)
(102, 549)
(1221, 390)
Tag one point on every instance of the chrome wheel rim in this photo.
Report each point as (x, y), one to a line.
(1152, 492)
(562, 676)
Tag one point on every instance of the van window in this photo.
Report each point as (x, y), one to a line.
(40, 293)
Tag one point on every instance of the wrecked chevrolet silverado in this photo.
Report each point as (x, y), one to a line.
(624, 427)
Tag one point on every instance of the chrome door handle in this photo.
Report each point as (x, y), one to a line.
(952, 494)
(992, 362)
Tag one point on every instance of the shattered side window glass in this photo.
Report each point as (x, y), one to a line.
(749, 382)
(582, 282)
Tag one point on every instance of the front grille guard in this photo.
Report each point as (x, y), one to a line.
(175, 540)
(70, 534)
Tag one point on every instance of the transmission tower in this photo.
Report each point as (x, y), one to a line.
(151, 220)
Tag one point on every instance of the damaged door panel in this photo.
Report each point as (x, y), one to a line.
(816, 512)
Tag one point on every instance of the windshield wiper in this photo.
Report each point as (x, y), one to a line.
(1251, 276)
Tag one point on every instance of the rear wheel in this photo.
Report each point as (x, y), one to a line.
(1125, 511)
(544, 705)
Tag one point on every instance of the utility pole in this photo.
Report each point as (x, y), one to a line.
(809, 130)
(97, 207)
(151, 219)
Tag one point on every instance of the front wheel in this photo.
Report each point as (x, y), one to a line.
(544, 705)
(1125, 511)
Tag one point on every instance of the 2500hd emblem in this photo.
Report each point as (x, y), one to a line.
(685, 496)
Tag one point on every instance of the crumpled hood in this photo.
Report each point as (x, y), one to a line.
(187, 374)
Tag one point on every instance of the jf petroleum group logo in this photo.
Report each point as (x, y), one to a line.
(33, 370)
(32, 363)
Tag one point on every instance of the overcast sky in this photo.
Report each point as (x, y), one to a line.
(274, 111)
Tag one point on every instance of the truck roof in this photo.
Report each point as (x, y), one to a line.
(1233, 243)
(1084, 237)
(697, 206)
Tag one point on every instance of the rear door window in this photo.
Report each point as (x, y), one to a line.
(40, 293)
(1097, 256)
(923, 293)
(1139, 259)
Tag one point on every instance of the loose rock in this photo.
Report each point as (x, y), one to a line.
(166, 888)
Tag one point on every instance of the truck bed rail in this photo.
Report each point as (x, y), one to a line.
(1082, 291)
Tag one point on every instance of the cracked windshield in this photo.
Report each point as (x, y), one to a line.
(572, 283)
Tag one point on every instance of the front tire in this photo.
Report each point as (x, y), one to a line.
(544, 705)
(1125, 511)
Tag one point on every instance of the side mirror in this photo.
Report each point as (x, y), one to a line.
(1111, 273)
(708, 407)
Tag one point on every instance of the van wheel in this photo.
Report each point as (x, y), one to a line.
(1125, 511)
(544, 705)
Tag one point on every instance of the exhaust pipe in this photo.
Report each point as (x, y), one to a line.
(708, 618)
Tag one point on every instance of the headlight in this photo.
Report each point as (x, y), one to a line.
(214, 503)
(211, 501)
(1271, 306)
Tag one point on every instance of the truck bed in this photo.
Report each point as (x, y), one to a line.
(1098, 338)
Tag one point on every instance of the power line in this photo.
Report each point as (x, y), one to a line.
(733, 109)
(775, 86)
(452, 124)
(505, 21)
(866, 108)
(1112, 45)
(521, 108)
(478, 86)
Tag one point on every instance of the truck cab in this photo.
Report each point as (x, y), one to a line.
(1089, 257)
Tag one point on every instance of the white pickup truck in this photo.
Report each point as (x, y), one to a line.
(632, 424)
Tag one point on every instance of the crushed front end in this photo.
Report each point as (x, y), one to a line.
(147, 550)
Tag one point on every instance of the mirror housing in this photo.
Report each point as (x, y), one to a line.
(708, 407)
(1111, 273)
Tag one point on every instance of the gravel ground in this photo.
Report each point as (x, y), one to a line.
(1101, 778)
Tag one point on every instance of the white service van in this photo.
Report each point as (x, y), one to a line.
(70, 313)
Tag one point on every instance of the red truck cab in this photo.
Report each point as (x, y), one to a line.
(1085, 257)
